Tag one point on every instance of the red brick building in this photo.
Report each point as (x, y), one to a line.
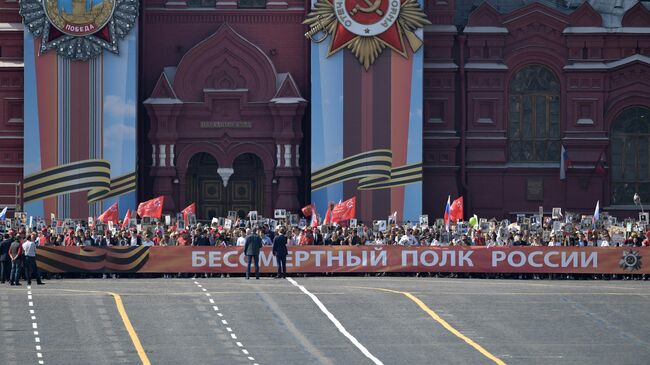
(224, 93)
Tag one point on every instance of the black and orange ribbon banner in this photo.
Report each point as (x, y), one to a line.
(373, 169)
(92, 175)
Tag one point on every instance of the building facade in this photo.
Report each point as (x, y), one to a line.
(224, 97)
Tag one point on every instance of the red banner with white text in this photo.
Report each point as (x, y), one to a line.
(352, 259)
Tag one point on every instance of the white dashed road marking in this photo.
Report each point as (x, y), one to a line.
(336, 322)
(223, 321)
(37, 339)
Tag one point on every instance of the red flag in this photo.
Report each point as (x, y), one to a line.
(328, 214)
(112, 214)
(600, 165)
(314, 215)
(456, 210)
(127, 218)
(345, 211)
(190, 209)
(151, 208)
(307, 210)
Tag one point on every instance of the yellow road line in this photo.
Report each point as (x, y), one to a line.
(125, 319)
(130, 329)
(444, 323)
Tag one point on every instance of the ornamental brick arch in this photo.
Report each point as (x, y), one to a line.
(225, 60)
(186, 153)
(264, 153)
(225, 99)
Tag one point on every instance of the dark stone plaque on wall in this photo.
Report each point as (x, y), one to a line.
(535, 189)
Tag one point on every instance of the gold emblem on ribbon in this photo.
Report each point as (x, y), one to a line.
(366, 27)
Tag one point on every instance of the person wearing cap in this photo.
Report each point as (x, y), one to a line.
(252, 248)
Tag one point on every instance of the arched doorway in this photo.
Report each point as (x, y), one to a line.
(204, 186)
(246, 185)
(244, 191)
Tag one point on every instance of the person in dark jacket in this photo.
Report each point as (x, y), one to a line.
(201, 238)
(17, 260)
(280, 253)
(5, 260)
(252, 250)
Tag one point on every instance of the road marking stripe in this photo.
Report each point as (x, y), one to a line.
(444, 323)
(129, 328)
(336, 322)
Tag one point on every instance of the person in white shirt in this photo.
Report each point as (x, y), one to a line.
(408, 239)
(241, 239)
(604, 242)
(147, 240)
(29, 247)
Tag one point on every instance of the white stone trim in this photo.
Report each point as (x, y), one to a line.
(438, 28)
(608, 65)
(163, 155)
(287, 155)
(493, 30)
(278, 156)
(171, 155)
(622, 30)
(485, 66)
(297, 155)
(444, 66)
(225, 173)
(153, 155)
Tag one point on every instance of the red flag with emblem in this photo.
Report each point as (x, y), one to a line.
(307, 210)
(345, 211)
(112, 214)
(190, 209)
(456, 210)
(151, 208)
(127, 218)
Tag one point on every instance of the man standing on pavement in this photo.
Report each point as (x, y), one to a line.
(29, 247)
(5, 260)
(280, 253)
(252, 250)
(17, 259)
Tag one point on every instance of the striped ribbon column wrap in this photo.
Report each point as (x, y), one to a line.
(367, 132)
(68, 172)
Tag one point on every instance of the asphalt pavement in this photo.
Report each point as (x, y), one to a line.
(330, 320)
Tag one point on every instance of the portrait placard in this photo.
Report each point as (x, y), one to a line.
(424, 220)
(232, 214)
(191, 219)
(381, 225)
(252, 215)
(557, 213)
(353, 223)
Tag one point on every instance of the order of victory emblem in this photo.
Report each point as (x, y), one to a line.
(79, 29)
(366, 27)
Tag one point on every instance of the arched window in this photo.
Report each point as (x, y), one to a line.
(630, 143)
(534, 115)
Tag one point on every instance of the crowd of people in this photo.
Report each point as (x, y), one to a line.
(17, 249)
(488, 233)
